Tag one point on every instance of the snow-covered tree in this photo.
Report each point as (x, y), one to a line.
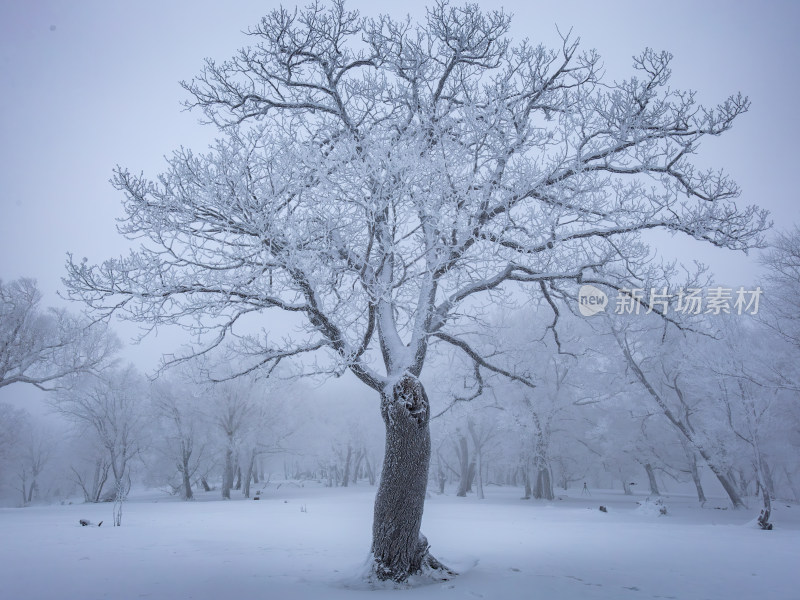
(36, 451)
(781, 306)
(377, 180)
(232, 410)
(109, 413)
(672, 380)
(44, 347)
(177, 408)
(13, 424)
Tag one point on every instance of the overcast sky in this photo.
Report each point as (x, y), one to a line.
(87, 85)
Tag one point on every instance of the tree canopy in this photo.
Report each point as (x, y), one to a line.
(375, 177)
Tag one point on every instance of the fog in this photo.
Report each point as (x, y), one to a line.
(591, 292)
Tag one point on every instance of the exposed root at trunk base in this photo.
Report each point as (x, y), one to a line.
(763, 520)
(423, 566)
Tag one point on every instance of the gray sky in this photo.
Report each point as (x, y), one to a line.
(90, 84)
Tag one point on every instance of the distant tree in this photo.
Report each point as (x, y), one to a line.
(267, 430)
(13, 424)
(781, 302)
(232, 412)
(43, 347)
(672, 381)
(177, 408)
(481, 434)
(378, 180)
(780, 312)
(756, 369)
(109, 411)
(36, 451)
(466, 465)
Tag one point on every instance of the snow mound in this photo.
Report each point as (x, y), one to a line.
(651, 508)
(366, 580)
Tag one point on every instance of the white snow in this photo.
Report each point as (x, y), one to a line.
(503, 547)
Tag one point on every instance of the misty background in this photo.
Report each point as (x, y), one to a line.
(91, 85)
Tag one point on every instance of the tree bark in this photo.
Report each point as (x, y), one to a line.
(238, 485)
(651, 477)
(526, 477)
(727, 485)
(464, 482)
(184, 468)
(357, 466)
(99, 480)
(398, 548)
(441, 476)
(370, 471)
(479, 471)
(347, 461)
(249, 474)
(227, 477)
(691, 457)
(701, 496)
(766, 473)
(544, 484)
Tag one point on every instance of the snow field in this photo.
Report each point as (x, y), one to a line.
(503, 547)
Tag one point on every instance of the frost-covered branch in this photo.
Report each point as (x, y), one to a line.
(375, 179)
(46, 348)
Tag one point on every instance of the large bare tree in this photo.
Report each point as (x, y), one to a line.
(380, 180)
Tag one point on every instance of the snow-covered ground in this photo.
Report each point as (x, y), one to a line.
(310, 542)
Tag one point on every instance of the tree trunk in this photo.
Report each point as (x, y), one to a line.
(464, 482)
(187, 484)
(101, 468)
(727, 485)
(724, 480)
(347, 462)
(238, 485)
(544, 484)
(357, 471)
(767, 487)
(398, 547)
(31, 488)
(526, 476)
(701, 497)
(479, 468)
(441, 476)
(329, 475)
(249, 473)
(691, 457)
(651, 477)
(204, 483)
(766, 473)
(24, 486)
(471, 474)
(227, 477)
(370, 471)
